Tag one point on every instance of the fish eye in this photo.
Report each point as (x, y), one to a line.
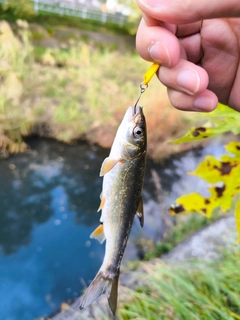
(137, 132)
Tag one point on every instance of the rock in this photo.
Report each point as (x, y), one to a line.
(207, 243)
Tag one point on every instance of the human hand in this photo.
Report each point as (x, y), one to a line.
(197, 44)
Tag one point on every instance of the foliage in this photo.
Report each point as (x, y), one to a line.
(135, 12)
(132, 5)
(20, 8)
(220, 121)
(223, 174)
(196, 290)
(134, 16)
(15, 57)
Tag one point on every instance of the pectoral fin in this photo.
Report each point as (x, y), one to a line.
(107, 165)
(139, 212)
(98, 234)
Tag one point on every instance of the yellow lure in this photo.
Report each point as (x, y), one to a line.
(150, 73)
(147, 78)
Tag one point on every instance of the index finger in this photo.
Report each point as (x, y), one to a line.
(157, 44)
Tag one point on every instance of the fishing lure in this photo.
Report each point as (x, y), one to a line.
(146, 79)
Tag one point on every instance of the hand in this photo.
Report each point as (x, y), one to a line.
(199, 52)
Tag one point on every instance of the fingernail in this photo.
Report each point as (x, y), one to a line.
(203, 104)
(159, 53)
(189, 81)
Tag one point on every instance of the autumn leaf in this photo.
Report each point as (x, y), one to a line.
(222, 119)
(193, 202)
(224, 177)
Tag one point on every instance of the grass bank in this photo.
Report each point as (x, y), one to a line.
(196, 290)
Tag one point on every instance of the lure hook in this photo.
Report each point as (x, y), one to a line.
(143, 88)
(146, 79)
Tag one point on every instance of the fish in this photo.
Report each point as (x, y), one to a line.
(121, 199)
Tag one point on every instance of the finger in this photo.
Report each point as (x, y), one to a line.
(179, 11)
(151, 22)
(179, 31)
(192, 47)
(185, 77)
(158, 44)
(207, 101)
(188, 29)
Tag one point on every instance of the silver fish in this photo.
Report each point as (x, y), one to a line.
(121, 199)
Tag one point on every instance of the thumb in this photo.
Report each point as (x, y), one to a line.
(185, 11)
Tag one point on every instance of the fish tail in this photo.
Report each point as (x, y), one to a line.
(112, 298)
(102, 284)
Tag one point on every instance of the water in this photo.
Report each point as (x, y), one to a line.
(48, 209)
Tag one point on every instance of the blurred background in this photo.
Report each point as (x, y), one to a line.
(68, 71)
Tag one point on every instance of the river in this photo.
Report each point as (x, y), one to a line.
(48, 207)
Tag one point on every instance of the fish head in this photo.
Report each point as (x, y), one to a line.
(135, 139)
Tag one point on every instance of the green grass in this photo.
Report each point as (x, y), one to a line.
(196, 290)
(87, 90)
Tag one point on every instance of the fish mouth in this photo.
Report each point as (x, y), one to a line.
(132, 113)
(136, 110)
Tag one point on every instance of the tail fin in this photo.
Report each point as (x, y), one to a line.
(101, 284)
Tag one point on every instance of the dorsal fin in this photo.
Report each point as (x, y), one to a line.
(98, 234)
(107, 165)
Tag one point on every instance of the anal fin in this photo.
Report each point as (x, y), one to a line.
(98, 234)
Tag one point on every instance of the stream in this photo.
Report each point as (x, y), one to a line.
(49, 199)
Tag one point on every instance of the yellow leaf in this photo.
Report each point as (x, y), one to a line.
(208, 170)
(193, 202)
(234, 147)
(195, 134)
(237, 219)
(222, 195)
(213, 170)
